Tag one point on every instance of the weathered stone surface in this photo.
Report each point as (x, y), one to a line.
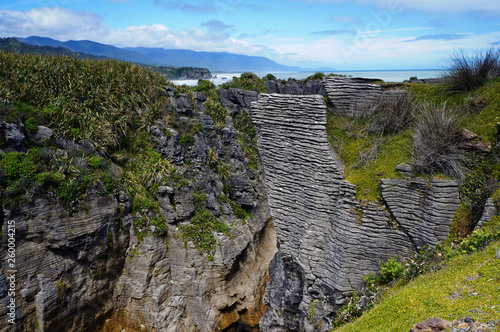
(350, 97)
(293, 87)
(192, 73)
(423, 208)
(236, 99)
(472, 143)
(405, 169)
(12, 136)
(432, 324)
(327, 240)
(42, 135)
(490, 209)
(66, 265)
(168, 143)
(176, 287)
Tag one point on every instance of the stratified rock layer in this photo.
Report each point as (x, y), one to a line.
(327, 240)
(423, 208)
(349, 97)
(67, 265)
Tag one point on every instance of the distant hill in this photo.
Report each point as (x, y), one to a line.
(214, 61)
(90, 47)
(14, 45)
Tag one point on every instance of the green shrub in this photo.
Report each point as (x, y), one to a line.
(270, 77)
(216, 111)
(247, 138)
(187, 140)
(204, 86)
(201, 229)
(238, 211)
(247, 81)
(223, 198)
(199, 201)
(389, 271)
(94, 99)
(316, 76)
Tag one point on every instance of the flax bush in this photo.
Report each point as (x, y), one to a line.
(90, 99)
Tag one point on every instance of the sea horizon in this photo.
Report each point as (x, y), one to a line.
(393, 75)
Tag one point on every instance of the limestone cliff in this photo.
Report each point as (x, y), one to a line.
(168, 284)
(293, 242)
(327, 240)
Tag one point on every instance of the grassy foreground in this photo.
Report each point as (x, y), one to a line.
(467, 286)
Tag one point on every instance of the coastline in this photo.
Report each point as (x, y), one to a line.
(385, 75)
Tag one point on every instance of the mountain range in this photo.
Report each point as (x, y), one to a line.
(214, 61)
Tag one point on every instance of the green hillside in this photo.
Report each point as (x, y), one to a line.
(466, 286)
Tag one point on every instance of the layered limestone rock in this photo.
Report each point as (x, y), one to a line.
(327, 240)
(87, 269)
(423, 208)
(67, 264)
(349, 97)
(293, 87)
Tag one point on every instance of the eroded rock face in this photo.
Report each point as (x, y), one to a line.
(423, 208)
(236, 99)
(167, 284)
(349, 97)
(327, 240)
(293, 87)
(67, 265)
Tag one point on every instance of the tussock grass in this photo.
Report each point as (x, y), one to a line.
(436, 140)
(467, 72)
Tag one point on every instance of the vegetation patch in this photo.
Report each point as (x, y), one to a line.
(247, 81)
(39, 171)
(247, 138)
(367, 157)
(84, 99)
(200, 231)
(468, 286)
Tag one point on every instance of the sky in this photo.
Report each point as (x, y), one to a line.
(336, 34)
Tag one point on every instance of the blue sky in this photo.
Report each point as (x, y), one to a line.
(343, 35)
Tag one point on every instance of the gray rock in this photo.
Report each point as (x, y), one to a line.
(13, 136)
(42, 136)
(423, 208)
(67, 264)
(293, 87)
(182, 105)
(170, 145)
(349, 97)
(405, 169)
(236, 99)
(490, 209)
(327, 240)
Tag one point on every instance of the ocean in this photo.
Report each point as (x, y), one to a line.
(384, 75)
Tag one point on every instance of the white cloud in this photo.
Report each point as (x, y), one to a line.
(373, 46)
(440, 6)
(386, 52)
(58, 22)
(64, 24)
